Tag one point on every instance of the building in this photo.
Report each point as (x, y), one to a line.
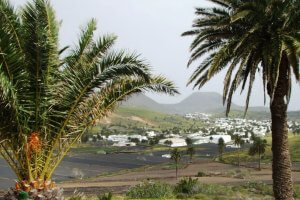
(176, 142)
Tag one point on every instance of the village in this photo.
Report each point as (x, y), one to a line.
(211, 132)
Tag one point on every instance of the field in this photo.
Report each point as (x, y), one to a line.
(216, 181)
(245, 158)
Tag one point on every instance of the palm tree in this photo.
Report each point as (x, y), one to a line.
(221, 147)
(189, 141)
(239, 142)
(258, 148)
(246, 37)
(176, 156)
(191, 152)
(49, 97)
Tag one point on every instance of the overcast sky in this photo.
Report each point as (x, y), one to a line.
(151, 28)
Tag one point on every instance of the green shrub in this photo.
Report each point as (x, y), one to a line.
(259, 188)
(188, 186)
(151, 190)
(77, 196)
(105, 196)
(23, 195)
(201, 174)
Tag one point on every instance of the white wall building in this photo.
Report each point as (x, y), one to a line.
(176, 142)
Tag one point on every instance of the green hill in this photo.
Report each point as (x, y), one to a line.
(134, 119)
(294, 141)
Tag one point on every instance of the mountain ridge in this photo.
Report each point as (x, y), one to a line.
(208, 102)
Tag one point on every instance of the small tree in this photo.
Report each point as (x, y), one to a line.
(191, 152)
(176, 156)
(189, 141)
(221, 145)
(258, 148)
(168, 142)
(239, 142)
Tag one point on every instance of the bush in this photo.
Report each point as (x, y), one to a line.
(188, 186)
(105, 196)
(259, 188)
(201, 174)
(151, 190)
(77, 196)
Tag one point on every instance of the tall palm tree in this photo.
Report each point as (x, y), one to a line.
(49, 97)
(246, 37)
(258, 148)
(191, 152)
(239, 142)
(176, 156)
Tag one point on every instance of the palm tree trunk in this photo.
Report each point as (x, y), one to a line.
(259, 162)
(282, 175)
(176, 170)
(239, 158)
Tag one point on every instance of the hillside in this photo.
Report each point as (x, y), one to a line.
(209, 102)
(133, 119)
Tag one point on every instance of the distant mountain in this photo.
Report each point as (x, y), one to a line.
(209, 102)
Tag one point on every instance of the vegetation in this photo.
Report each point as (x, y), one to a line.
(176, 157)
(107, 196)
(294, 140)
(258, 148)
(246, 37)
(50, 97)
(187, 186)
(191, 152)
(238, 141)
(221, 147)
(151, 190)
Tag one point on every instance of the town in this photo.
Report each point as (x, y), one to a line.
(211, 132)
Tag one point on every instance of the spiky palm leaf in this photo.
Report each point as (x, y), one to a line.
(58, 97)
(245, 37)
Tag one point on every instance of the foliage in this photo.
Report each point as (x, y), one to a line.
(107, 196)
(201, 174)
(150, 190)
(188, 186)
(221, 146)
(23, 195)
(246, 37)
(190, 151)
(77, 196)
(50, 97)
(258, 147)
(175, 155)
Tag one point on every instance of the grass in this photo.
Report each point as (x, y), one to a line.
(250, 190)
(294, 142)
(122, 121)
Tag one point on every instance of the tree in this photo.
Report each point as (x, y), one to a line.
(221, 147)
(245, 37)
(168, 142)
(191, 152)
(189, 141)
(50, 97)
(239, 142)
(258, 148)
(176, 156)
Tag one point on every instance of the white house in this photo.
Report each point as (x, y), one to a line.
(176, 142)
(215, 138)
